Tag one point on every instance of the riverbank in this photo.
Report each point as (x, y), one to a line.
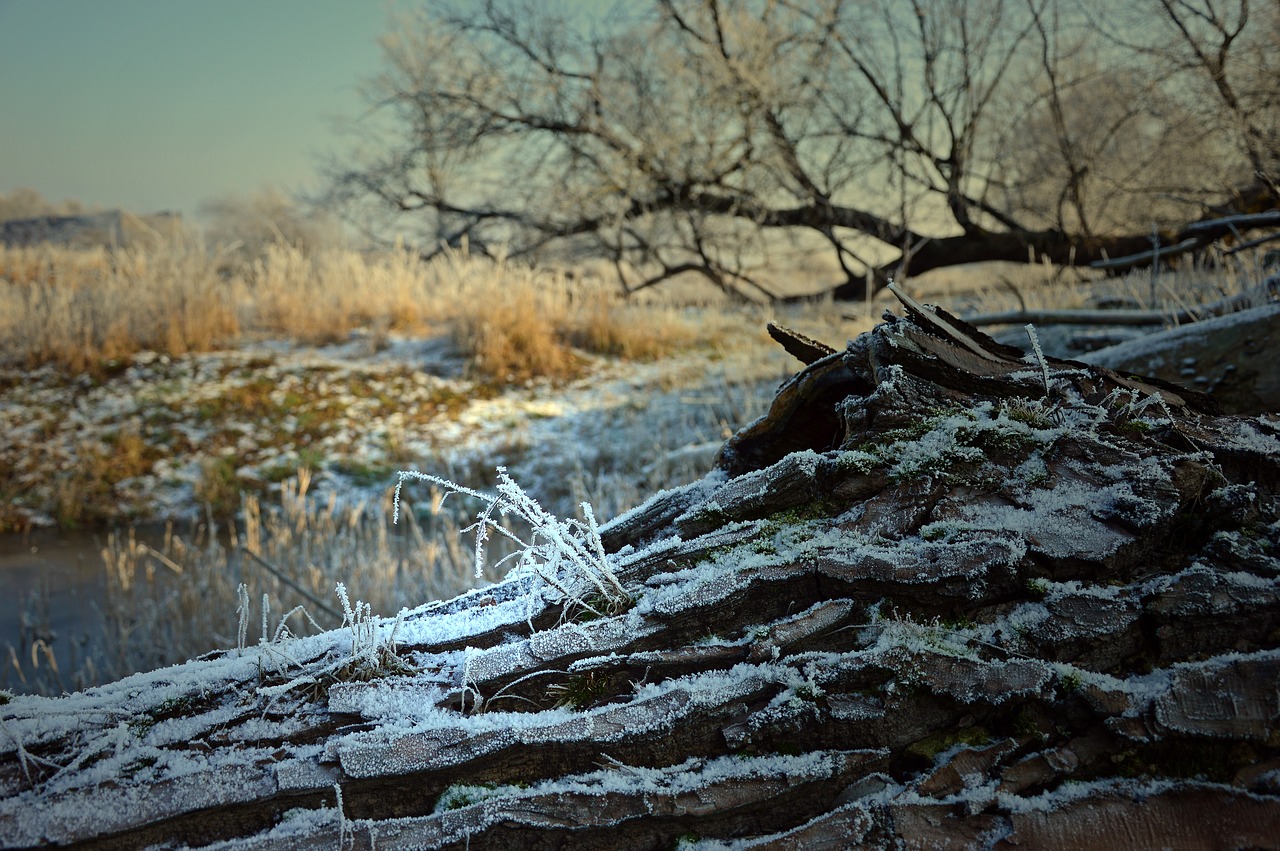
(290, 451)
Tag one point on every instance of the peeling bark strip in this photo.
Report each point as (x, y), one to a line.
(943, 593)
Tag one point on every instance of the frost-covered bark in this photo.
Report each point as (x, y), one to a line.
(943, 593)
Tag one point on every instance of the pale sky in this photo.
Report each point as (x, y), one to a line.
(159, 104)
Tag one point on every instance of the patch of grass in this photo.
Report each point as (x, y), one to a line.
(580, 691)
(219, 485)
(1070, 682)
(251, 399)
(363, 473)
(88, 311)
(1038, 589)
(608, 326)
(1030, 411)
(515, 340)
(464, 795)
(594, 606)
(88, 493)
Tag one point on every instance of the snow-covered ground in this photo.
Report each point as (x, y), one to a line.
(161, 435)
(154, 440)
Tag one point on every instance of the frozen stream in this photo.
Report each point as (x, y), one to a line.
(53, 580)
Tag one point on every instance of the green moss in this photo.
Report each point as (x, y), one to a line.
(1038, 589)
(1139, 426)
(1025, 724)
(959, 622)
(580, 691)
(464, 795)
(815, 510)
(931, 746)
(934, 531)
(808, 692)
(862, 459)
(171, 708)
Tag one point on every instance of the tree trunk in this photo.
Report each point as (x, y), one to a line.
(1112, 253)
(941, 594)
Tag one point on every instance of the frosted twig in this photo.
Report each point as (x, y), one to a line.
(476, 698)
(242, 610)
(342, 819)
(1039, 352)
(556, 545)
(282, 629)
(266, 610)
(24, 755)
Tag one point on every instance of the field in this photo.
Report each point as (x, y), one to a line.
(258, 411)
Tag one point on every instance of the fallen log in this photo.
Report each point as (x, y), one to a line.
(1143, 259)
(1232, 357)
(1193, 237)
(942, 593)
(1252, 297)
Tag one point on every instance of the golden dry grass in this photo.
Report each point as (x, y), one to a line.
(81, 310)
(84, 310)
(320, 298)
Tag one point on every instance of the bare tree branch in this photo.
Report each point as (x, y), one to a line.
(685, 136)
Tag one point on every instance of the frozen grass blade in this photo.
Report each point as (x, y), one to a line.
(561, 552)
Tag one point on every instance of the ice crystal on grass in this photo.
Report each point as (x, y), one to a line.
(568, 554)
(373, 651)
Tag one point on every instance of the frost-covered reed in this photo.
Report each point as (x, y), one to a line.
(566, 554)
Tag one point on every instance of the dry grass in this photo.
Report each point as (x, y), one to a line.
(514, 338)
(515, 323)
(175, 599)
(82, 310)
(89, 310)
(608, 326)
(321, 298)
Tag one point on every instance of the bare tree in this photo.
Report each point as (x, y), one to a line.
(694, 135)
(1097, 144)
(1220, 56)
(269, 215)
(26, 203)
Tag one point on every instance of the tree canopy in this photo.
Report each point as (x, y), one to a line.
(711, 136)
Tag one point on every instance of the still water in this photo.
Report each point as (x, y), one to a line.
(54, 575)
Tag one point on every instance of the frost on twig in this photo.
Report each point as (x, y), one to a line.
(1039, 353)
(566, 554)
